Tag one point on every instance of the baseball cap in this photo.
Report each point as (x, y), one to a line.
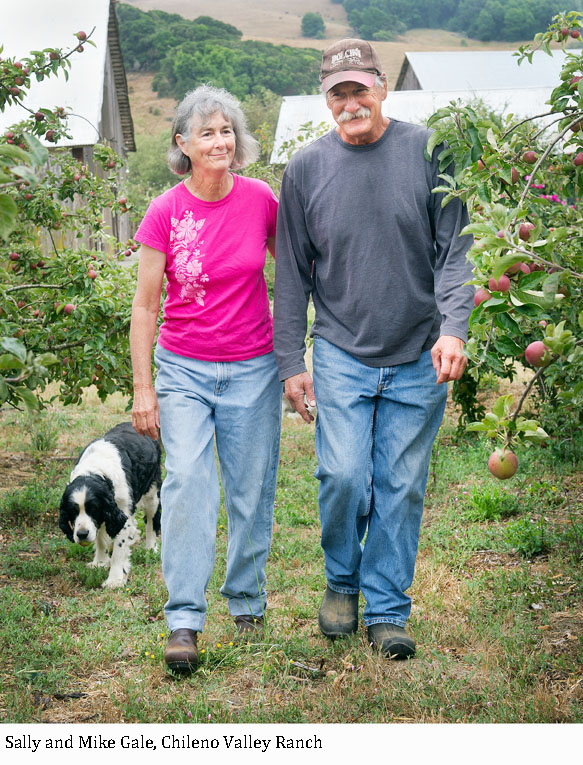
(349, 60)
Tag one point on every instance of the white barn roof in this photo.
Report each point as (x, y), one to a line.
(38, 24)
(407, 105)
(478, 70)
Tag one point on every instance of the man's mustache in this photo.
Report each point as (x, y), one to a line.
(362, 113)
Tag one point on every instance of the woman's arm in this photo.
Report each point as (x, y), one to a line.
(145, 308)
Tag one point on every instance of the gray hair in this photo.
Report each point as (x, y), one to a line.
(203, 103)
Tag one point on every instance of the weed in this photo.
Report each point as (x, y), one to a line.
(490, 504)
(43, 429)
(528, 536)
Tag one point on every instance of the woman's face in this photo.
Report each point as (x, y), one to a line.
(210, 145)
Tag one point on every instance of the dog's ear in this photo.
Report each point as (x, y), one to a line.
(113, 518)
(64, 520)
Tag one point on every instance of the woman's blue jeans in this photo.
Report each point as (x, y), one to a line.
(374, 434)
(238, 404)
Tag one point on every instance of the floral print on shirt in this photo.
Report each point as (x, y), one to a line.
(185, 245)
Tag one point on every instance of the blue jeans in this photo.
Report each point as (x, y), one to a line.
(374, 433)
(238, 404)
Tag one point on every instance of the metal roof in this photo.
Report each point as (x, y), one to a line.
(38, 24)
(482, 70)
(407, 105)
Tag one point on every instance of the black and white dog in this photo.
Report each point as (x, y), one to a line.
(113, 476)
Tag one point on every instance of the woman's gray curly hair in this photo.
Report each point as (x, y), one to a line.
(203, 103)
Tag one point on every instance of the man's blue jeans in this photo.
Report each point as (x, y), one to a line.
(237, 403)
(374, 434)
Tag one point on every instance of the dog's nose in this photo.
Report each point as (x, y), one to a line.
(82, 535)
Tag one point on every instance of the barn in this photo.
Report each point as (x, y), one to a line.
(429, 81)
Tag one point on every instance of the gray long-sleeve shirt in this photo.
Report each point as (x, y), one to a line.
(359, 229)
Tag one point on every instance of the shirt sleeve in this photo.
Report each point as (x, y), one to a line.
(294, 257)
(453, 296)
(154, 230)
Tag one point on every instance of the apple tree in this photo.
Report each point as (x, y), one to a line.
(64, 308)
(522, 180)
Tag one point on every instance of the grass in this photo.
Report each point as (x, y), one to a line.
(496, 602)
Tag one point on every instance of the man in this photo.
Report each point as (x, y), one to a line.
(359, 229)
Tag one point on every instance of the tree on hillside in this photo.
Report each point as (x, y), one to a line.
(242, 68)
(313, 25)
(147, 37)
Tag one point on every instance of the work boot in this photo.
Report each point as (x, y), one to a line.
(181, 653)
(249, 625)
(338, 614)
(391, 641)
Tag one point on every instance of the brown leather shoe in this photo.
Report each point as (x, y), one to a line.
(181, 653)
(247, 624)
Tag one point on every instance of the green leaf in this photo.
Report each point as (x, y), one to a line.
(10, 361)
(475, 427)
(435, 138)
(502, 406)
(28, 397)
(550, 286)
(14, 346)
(39, 153)
(8, 213)
(14, 153)
(482, 229)
(507, 346)
(536, 436)
(506, 322)
(47, 359)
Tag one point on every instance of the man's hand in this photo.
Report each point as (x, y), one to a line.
(448, 358)
(298, 389)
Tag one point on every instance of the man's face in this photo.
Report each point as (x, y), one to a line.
(357, 111)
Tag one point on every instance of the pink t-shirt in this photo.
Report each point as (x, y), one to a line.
(217, 308)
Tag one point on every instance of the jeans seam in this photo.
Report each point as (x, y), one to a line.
(342, 590)
(386, 620)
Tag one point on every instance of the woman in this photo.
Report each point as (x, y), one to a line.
(217, 378)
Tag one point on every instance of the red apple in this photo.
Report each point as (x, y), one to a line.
(92, 274)
(14, 256)
(81, 35)
(481, 296)
(515, 175)
(499, 285)
(575, 33)
(68, 309)
(530, 157)
(517, 268)
(524, 231)
(578, 160)
(537, 354)
(481, 165)
(503, 464)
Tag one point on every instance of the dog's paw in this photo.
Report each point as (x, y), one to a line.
(151, 544)
(99, 563)
(112, 584)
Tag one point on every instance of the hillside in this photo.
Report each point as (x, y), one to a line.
(279, 22)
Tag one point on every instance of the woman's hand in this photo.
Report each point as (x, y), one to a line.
(145, 411)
